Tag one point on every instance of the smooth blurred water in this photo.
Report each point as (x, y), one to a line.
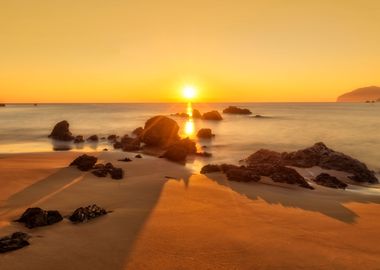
(350, 128)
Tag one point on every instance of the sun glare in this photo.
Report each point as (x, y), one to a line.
(189, 92)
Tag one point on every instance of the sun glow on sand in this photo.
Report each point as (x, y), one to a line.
(189, 92)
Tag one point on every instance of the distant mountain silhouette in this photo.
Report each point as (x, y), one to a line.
(370, 93)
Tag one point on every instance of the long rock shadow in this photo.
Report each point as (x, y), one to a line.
(322, 200)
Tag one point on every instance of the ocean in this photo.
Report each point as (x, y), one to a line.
(352, 128)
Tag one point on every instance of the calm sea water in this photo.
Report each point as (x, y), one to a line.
(350, 128)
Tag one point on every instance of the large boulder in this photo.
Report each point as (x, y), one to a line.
(61, 132)
(84, 162)
(197, 114)
(213, 115)
(36, 217)
(205, 133)
(14, 241)
(83, 214)
(236, 110)
(160, 131)
(324, 179)
(317, 155)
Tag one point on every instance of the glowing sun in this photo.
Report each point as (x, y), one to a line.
(189, 92)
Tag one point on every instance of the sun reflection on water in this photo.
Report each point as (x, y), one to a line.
(189, 125)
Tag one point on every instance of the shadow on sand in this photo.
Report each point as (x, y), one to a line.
(329, 202)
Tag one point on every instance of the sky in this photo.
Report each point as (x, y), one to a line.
(147, 51)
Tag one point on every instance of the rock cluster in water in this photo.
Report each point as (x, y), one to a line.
(236, 110)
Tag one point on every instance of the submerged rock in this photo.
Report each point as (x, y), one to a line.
(36, 217)
(180, 150)
(84, 162)
(14, 241)
(61, 132)
(160, 131)
(236, 110)
(324, 179)
(213, 115)
(83, 214)
(205, 133)
(79, 139)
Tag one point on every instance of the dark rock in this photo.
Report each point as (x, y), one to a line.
(317, 155)
(236, 110)
(287, 175)
(116, 173)
(61, 132)
(112, 138)
(130, 144)
(125, 159)
(36, 217)
(205, 133)
(242, 175)
(179, 150)
(105, 149)
(83, 214)
(103, 138)
(100, 172)
(99, 166)
(324, 179)
(196, 114)
(320, 155)
(84, 162)
(2, 105)
(213, 115)
(93, 138)
(210, 168)
(258, 116)
(160, 131)
(117, 145)
(79, 139)
(138, 131)
(138, 156)
(14, 241)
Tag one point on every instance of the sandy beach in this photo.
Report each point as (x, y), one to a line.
(186, 221)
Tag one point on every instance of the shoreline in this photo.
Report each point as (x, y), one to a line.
(185, 221)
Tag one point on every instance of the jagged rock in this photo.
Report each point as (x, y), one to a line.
(138, 156)
(210, 168)
(160, 131)
(317, 155)
(83, 214)
(236, 110)
(324, 179)
(93, 138)
(138, 131)
(14, 241)
(242, 175)
(196, 114)
(79, 139)
(61, 132)
(125, 159)
(205, 133)
(84, 162)
(36, 217)
(213, 115)
(287, 175)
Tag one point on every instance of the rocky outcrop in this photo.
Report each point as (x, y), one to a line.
(36, 217)
(61, 132)
(317, 155)
(160, 131)
(14, 241)
(84, 162)
(205, 133)
(253, 173)
(370, 93)
(324, 179)
(83, 214)
(213, 115)
(197, 114)
(236, 110)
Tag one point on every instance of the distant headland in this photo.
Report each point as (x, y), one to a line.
(364, 94)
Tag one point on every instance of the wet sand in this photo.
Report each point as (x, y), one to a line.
(188, 221)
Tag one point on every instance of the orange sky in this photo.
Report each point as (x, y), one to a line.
(140, 51)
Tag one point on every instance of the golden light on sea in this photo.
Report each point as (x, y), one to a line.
(189, 127)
